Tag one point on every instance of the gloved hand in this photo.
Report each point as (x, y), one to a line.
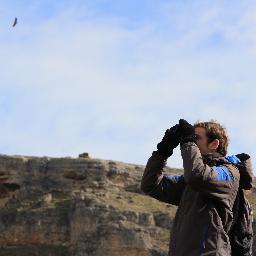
(187, 132)
(170, 141)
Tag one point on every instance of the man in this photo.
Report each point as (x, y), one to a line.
(205, 193)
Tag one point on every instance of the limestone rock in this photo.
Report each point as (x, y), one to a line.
(80, 206)
(84, 155)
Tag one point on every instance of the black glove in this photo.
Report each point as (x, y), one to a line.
(187, 132)
(170, 141)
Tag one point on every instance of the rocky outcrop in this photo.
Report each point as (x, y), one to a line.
(79, 206)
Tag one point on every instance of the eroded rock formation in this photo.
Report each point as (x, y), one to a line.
(79, 206)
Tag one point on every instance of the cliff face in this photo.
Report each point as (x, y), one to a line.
(79, 206)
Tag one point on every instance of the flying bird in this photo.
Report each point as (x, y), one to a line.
(15, 22)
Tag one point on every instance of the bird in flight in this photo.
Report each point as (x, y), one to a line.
(15, 22)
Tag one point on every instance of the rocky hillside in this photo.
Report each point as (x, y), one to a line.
(79, 206)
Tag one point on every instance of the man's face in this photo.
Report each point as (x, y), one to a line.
(202, 141)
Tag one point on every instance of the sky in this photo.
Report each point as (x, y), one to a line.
(109, 77)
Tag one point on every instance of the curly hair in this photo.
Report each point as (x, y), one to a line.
(215, 130)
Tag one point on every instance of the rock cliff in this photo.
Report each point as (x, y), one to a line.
(79, 206)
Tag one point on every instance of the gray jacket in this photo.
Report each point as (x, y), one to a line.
(199, 227)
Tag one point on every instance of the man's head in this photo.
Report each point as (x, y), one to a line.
(211, 137)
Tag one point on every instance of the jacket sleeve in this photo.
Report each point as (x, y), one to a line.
(216, 182)
(162, 187)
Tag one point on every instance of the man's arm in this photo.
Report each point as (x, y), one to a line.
(154, 183)
(214, 182)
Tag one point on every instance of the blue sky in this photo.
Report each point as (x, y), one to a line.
(109, 77)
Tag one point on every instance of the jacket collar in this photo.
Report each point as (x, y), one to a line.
(214, 159)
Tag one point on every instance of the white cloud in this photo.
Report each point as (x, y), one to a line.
(85, 84)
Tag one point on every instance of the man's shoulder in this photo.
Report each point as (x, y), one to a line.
(227, 171)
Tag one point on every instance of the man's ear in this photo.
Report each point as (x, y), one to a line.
(214, 144)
